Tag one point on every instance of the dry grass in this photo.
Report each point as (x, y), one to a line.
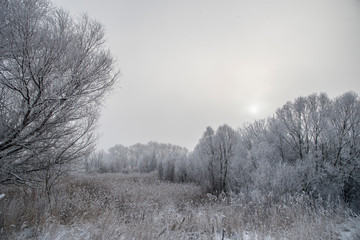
(139, 206)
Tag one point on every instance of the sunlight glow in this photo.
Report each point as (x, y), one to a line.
(253, 109)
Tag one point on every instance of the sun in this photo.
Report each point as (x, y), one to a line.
(253, 109)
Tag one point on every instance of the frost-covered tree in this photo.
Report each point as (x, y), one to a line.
(148, 162)
(54, 72)
(292, 118)
(135, 153)
(311, 145)
(343, 141)
(95, 162)
(212, 158)
(181, 166)
(173, 166)
(225, 142)
(118, 158)
(203, 161)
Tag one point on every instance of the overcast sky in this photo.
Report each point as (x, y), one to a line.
(189, 64)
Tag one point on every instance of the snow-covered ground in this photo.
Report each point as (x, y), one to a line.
(135, 206)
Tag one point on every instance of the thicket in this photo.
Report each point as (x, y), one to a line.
(310, 145)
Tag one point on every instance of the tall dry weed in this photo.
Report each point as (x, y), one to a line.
(140, 206)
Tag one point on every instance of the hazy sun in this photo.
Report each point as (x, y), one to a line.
(253, 109)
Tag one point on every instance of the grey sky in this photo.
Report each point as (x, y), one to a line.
(188, 64)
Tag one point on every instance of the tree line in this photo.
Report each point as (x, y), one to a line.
(310, 145)
(136, 158)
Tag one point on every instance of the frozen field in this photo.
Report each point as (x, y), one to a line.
(139, 206)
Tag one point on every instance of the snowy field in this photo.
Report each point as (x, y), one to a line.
(139, 206)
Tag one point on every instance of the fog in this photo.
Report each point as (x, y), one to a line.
(186, 65)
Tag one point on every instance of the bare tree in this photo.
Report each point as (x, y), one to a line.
(54, 72)
(212, 158)
(119, 159)
(95, 162)
(225, 141)
(203, 159)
